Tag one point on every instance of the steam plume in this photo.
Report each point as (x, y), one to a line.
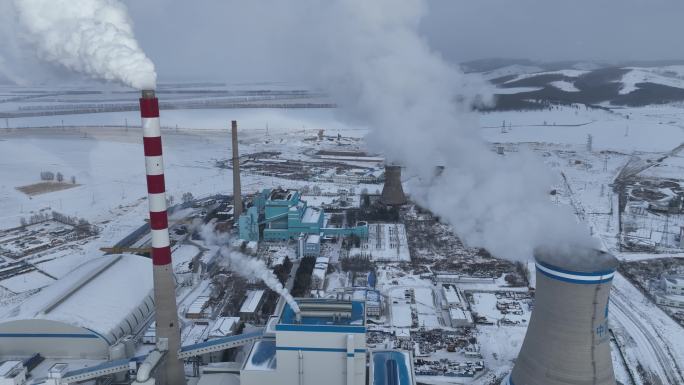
(256, 268)
(93, 37)
(244, 265)
(418, 107)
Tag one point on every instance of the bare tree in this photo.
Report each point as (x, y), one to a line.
(60, 177)
(73, 179)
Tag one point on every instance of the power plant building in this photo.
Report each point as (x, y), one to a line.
(84, 313)
(278, 215)
(329, 342)
(567, 341)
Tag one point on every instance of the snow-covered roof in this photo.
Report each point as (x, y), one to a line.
(401, 315)
(198, 305)
(313, 239)
(311, 215)
(459, 314)
(677, 280)
(9, 368)
(451, 296)
(319, 272)
(99, 295)
(223, 327)
(252, 301)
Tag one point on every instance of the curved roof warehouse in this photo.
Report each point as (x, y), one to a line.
(84, 313)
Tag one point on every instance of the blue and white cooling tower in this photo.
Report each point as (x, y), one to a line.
(567, 341)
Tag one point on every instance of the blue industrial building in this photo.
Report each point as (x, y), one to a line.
(279, 215)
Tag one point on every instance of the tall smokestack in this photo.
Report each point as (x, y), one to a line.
(237, 189)
(567, 341)
(166, 312)
(392, 192)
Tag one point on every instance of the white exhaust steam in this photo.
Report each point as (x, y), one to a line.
(371, 56)
(249, 267)
(93, 37)
(242, 264)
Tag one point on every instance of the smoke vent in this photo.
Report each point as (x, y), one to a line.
(567, 341)
(392, 192)
(237, 188)
(166, 310)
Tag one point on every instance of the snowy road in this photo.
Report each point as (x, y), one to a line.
(657, 341)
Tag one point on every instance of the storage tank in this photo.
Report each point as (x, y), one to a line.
(567, 341)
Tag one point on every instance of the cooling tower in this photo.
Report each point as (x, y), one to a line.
(237, 188)
(567, 341)
(166, 312)
(392, 192)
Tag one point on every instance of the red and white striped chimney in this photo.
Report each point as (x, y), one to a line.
(166, 312)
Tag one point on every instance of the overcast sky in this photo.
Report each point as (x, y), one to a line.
(234, 39)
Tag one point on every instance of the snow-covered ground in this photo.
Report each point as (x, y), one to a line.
(672, 76)
(564, 85)
(653, 129)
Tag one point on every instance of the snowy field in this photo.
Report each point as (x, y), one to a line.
(647, 129)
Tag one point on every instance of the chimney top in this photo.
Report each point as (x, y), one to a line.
(148, 94)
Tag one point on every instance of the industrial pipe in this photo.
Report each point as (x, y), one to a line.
(144, 374)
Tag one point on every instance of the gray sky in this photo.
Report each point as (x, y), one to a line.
(227, 33)
(234, 39)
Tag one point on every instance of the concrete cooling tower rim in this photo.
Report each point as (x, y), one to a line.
(588, 266)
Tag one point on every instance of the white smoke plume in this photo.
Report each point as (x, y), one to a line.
(93, 37)
(372, 58)
(250, 267)
(242, 264)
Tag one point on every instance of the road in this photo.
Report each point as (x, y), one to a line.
(654, 348)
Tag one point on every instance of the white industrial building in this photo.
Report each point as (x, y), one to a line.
(669, 291)
(199, 308)
(453, 297)
(224, 327)
(460, 318)
(252, 303)
(12, 373)
(328, 345)
(82, 314)
(673, 284)
(319, 272)
(373, 304)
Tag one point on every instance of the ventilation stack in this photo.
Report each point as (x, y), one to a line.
(392, 192)
(567, 341)
(237, 188)
(166, 312)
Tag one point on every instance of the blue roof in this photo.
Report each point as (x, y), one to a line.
(357, 317)
(391, 368)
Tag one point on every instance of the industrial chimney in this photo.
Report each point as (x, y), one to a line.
(567, 340)
(166, 312)
(392, 192)
(237, 188)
